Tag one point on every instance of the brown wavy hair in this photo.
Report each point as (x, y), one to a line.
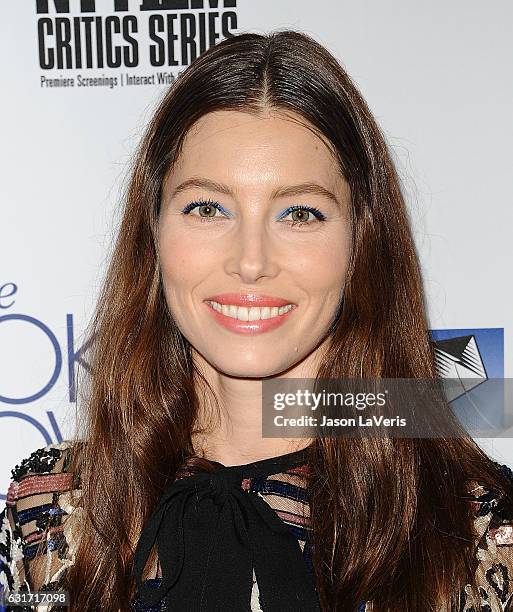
(390, 517)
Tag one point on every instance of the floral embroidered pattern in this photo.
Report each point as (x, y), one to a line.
(494, 550)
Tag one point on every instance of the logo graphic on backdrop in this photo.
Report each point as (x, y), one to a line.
(35, 360)
(459, 357)
(476, 357)
(136, 43)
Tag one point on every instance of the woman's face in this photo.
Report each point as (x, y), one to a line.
(240, 244)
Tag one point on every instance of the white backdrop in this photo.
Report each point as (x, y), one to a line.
(436, 76)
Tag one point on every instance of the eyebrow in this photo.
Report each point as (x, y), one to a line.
(279, 192)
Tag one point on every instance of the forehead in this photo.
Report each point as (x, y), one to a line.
(245, 148)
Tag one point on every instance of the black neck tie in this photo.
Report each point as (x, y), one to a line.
(210, 534)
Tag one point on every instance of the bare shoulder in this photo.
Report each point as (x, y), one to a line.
(493, 524)
(35, 531)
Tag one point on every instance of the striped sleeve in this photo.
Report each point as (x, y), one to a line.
(36, 543)
(12, 575)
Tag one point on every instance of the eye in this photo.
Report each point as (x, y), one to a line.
(300, 215)
(206, 208)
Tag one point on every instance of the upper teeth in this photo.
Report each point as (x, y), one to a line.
(250, 314)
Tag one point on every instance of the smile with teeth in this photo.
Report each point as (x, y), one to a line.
(254, 313)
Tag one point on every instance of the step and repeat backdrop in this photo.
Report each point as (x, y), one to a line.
(80, 80)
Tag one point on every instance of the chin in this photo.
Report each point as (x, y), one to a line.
(257, 369)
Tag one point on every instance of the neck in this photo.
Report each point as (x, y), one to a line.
(237, 450)
(232, 434)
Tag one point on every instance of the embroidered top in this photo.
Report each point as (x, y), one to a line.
(40, 512)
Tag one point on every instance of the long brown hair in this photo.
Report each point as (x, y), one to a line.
(390, 519)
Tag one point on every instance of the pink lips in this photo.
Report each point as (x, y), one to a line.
(251, 327)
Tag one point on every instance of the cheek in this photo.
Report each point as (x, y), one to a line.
(174, 264)
(179, 269)
(181, 259)
(321, 267)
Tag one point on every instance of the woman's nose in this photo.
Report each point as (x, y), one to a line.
(252, 252)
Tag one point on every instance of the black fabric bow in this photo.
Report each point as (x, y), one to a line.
(210, 534)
